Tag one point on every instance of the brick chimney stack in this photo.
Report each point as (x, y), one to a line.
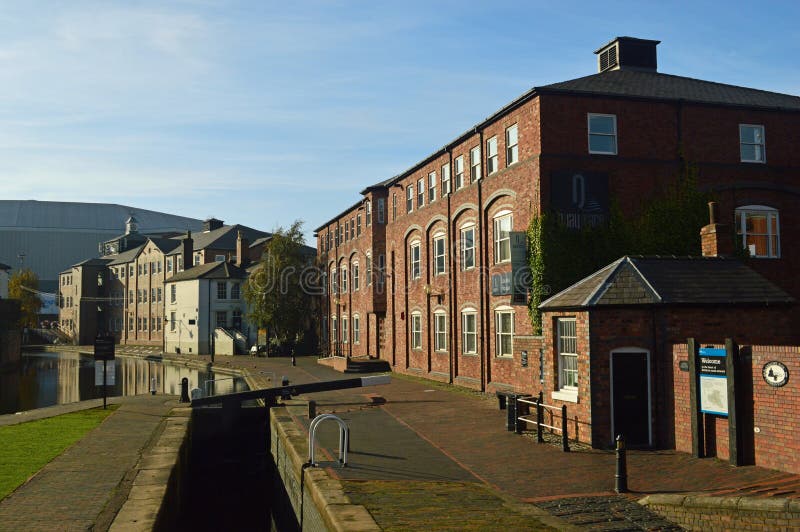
(715, 238)
(242, 250)
(187, 250)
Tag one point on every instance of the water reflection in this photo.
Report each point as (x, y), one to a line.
(46, 379)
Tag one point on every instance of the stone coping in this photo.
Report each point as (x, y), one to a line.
(740, 504)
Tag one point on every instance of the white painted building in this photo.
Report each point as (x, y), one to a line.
(4, 275)
(205, 310)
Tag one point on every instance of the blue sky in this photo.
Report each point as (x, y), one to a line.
(263, 112)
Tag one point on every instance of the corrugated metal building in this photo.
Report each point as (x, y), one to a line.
(53, 235)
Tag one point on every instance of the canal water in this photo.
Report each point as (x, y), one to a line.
(51, 378)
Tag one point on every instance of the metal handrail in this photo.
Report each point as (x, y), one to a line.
(344, 438)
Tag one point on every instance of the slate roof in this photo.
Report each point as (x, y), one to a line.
(166, 244)
(222, 238)
(211, 270)
(670, 281)
(125, 256)
(641, 84)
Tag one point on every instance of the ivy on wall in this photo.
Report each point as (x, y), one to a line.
(666, 225)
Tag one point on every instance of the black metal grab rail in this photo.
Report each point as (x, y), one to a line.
(539, 421)
(270, 394)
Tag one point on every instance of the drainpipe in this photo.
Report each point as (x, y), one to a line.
(452, 277)
(484, 352)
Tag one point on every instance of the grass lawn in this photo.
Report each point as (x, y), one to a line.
(27, 447)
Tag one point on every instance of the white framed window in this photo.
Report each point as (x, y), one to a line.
(502, 238)
(567, 339)
(416, 330)
(358, 224)
(356, 329)
(394, 206)
(381, 210)
(334, 329)
(474, 164)
(420, 192)
(414, 260)
(172, 293)
(602, 134)
(751, 143)
(222, 290)
(343, 274)
(440, 331)
(468, 247)
(345, 331)
(439, 255)
(368, 213)
(369, 268)
(469, 334)
(409, 198)
(512, 148)
(491, 156)
(236, 292)
(431, 187)
(445, 179)
(356, 280)
(459, 171)
(334, 282)
(758, 230)
(504, 332)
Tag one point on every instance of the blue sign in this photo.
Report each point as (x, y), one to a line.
(713, 381)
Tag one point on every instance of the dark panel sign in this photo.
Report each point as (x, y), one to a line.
(712, 361)
(104, 348)
(579, 199)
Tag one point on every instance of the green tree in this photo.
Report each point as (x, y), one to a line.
(24, 285)
(279, 290)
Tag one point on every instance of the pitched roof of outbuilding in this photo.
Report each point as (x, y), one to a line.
(211, 270)
(670, 281)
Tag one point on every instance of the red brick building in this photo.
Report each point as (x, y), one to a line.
(623, 135)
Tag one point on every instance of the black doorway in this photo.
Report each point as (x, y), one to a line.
(630, 397)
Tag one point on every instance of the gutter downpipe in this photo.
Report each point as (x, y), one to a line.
(452, 276)
(481, 273)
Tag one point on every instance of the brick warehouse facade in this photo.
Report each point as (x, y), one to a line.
(622, 135)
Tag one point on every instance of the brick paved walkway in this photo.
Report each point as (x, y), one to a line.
(84, 487)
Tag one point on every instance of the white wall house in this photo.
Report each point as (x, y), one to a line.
(4, 275)
(205, 310)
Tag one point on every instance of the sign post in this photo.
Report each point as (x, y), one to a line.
(104, 352)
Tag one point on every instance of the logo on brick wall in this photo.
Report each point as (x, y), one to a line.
(579, 199)
(775, 373)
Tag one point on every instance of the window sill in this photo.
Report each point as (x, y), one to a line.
(569, 396)
(753, 161)
(601, 153)
(505, 357)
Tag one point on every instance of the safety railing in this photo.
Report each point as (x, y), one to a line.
(538, 420)
(344, 438)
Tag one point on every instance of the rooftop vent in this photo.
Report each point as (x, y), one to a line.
(627, 53)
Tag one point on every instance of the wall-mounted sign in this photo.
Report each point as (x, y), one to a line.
(713, 381)
(524, 359)
(683, 365)
(579, 199)
(501, 284)
(520, 269)
(775, 373)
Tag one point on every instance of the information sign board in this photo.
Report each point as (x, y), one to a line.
(104, 348)
(713, 381)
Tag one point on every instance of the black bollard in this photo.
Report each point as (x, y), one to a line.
(294, 362)
(312, 409)
(564, 433)
(184, 390)
(621, 477)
